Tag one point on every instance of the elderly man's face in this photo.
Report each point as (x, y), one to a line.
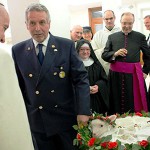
(76, 33)
(127, 23)
(4, 23)
(147, 23)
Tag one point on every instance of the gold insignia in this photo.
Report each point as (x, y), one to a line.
(61, 74)
(53, 46)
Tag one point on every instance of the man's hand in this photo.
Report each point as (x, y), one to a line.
(93, 89)
(121, 52)
(82, 119)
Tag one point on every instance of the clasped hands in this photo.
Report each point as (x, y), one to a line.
(93, 89)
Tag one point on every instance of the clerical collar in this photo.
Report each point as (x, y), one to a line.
(88, 62)
(127, 33)
(109, 29)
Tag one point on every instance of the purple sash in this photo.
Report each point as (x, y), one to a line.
(140, 102)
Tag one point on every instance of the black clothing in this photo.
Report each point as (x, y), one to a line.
(100, 100)
(121, 84)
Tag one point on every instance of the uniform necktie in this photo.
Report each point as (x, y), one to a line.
(40, 54)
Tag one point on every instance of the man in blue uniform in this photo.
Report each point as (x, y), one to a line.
(53, 81)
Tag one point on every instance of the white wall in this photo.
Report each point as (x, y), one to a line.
(17, 19)
(60, 19)
(143, 10)
(79, 18)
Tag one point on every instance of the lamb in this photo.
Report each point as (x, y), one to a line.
(127, 130)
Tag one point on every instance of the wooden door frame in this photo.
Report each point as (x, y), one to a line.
(90, 10)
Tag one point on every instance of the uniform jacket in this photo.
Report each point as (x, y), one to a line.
(49, 90)
(14, 125)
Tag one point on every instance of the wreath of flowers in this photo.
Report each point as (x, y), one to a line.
(86, 141)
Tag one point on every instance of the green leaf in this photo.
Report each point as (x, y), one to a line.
(120, 147)
(75, 142)
(98, 147)
(128, 146)
(136, 147)
(148, 139)
(92, 148)
(75, 127)
(106, 139)
(97, 141)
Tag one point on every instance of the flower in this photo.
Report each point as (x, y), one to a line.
(78, 136)
(143, 143)
(104, 144)
(91, 142)
(86, 141)
(112, 145)
(138, 114)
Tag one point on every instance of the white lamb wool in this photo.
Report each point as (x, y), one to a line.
(127, 130)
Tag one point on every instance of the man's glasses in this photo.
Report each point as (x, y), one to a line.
(127, 23)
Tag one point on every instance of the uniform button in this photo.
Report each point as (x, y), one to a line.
(37, 92)
(61, 68)
(55, 73)
(30, 75)
(56, 106)
(29, 48)
(52, 91)
(40, 107)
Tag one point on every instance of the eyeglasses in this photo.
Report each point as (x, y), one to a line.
(127, 23)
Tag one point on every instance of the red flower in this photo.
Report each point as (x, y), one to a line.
(104, 144)
(91, 142)
(112, 145)
(80, 142)
(138, 114)
(143, 143)
(78, 136)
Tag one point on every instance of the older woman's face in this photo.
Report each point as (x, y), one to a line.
(87, 36)
(84, 52)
